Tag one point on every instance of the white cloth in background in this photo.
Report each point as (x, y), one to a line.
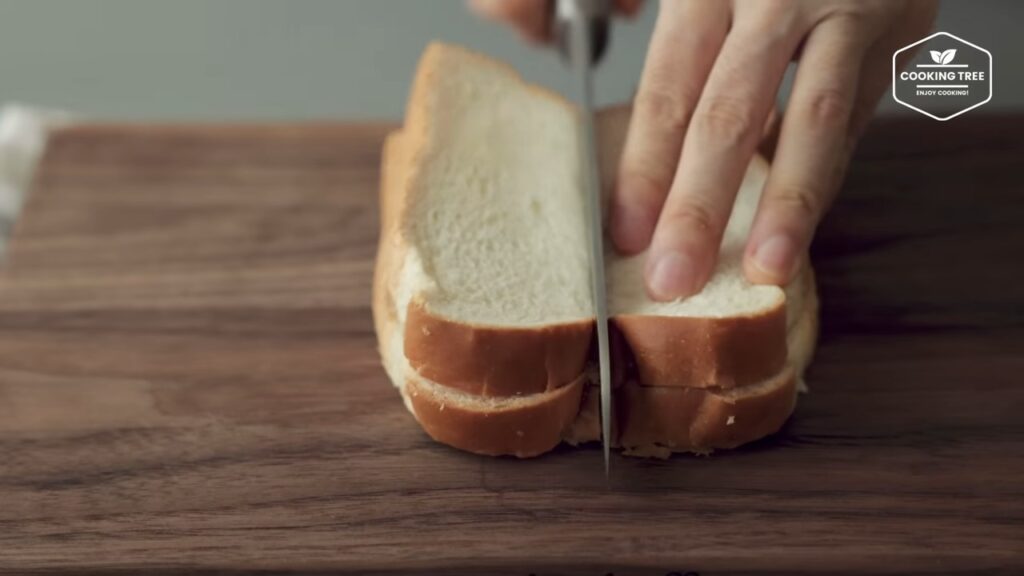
(23, 133)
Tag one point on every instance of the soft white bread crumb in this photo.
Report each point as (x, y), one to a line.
(496, 210)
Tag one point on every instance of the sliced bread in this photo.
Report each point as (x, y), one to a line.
(655, 421)
(730, 334)
(493, 289)
(481, 292)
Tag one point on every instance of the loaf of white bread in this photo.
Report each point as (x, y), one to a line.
(482, 300)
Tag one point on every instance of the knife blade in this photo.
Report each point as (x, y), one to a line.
(581, 19)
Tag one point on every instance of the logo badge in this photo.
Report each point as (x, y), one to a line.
(945, 78)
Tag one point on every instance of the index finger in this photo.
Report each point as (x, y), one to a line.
(724, 131)
(679, 59)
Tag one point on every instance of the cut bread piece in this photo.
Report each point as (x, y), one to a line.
(495, 274)
(655, 422)
(523, 426)
(730, 334)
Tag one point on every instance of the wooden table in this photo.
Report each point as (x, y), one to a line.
(189, 381)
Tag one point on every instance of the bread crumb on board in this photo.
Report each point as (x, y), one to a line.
(662, 452)
(650, 451)
(730, 421)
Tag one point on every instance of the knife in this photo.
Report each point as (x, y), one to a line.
(582, 33)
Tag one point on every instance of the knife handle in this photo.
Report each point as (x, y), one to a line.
(597, 15)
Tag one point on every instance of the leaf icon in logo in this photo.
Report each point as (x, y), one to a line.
(936, 56)
(948, 55)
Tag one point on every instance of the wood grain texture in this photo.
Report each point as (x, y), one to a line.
(189, 382)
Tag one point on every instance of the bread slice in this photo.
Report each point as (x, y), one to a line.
(652, 421)
(656, 422)
(481, 291)
(730, 334)
(493, 289)
(522, 426)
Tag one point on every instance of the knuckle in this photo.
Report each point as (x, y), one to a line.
(855, 18)
(644, 186)
(663, 107)
(695, 216)
(806, 203)
(777, 11)
(772, 21)
(727, 120)
(829, 107)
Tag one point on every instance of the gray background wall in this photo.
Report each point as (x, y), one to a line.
(302, 59)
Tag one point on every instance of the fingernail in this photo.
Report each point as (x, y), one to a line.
(776, 257)
(631, 227)
(672, 276)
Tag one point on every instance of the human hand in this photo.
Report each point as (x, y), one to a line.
(707, 91)
(708, 87)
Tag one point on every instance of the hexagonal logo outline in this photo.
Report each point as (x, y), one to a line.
(895, 76)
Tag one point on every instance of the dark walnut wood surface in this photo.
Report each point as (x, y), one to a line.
(189, 381)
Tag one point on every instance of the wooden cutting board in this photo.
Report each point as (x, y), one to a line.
(189, 381)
